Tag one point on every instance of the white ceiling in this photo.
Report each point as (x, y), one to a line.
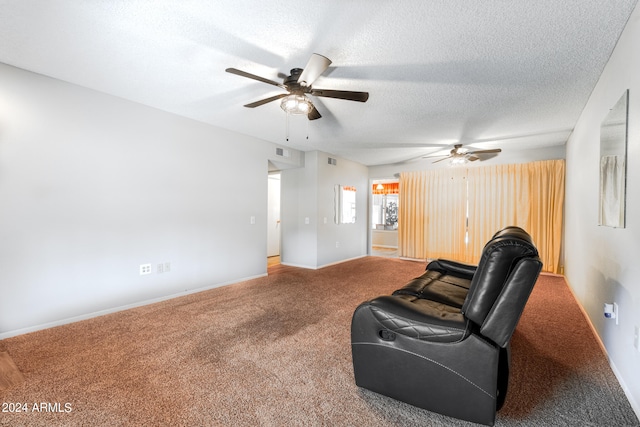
(490, 73)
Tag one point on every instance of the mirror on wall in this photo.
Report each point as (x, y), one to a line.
(613, 161)
(345, 204)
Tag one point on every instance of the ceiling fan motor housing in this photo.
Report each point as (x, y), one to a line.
(292, 83)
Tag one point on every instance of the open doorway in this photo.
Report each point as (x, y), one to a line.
(273, 219)
(384, 218)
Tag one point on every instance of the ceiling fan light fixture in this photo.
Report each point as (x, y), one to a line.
(459, 160)
(295, 104)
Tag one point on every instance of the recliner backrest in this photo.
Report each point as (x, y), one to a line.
(499, 258)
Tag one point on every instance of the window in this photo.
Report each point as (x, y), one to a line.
(385, 212)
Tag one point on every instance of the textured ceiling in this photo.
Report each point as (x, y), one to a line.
(487, 73)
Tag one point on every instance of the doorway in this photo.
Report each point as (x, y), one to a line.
(384, 218)
(273, 219)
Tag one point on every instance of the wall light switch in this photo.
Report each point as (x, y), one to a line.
(252, 220)
(306, 220)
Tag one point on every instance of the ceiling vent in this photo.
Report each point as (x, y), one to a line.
(282, 152)
(332, 161)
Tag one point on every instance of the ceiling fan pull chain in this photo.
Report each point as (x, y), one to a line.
(307, 129)
(287, 125)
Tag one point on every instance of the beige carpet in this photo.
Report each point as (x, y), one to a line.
(275, 351)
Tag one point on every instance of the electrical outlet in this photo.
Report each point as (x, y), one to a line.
(160, 268)
(167, 267)
(337, 244)
(145, 269)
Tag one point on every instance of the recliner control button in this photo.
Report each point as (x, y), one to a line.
(387, 335)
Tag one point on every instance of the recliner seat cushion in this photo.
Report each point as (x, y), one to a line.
(435, 286)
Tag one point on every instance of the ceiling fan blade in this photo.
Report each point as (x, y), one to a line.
(445, 158)
(472, 158)
(254, 77)
(317, 65)
(341, 94)
(495, 150)
(266, 100)
(314, 114)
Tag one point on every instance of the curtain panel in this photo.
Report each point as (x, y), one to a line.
(452, 213)
(412, 216)
(529, 195)
(431, 217)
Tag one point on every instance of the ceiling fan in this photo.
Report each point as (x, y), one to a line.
(298, 86)
(459, 155)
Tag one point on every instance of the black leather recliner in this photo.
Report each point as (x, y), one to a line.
(441, 342)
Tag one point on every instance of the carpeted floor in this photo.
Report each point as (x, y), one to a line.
(276, 351)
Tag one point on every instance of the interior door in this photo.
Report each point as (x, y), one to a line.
(273, 216)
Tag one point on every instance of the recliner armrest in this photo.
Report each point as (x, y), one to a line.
(453, 268)
(503, 318)
(416, 318)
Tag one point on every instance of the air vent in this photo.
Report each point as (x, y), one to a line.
(332, 161)
(282, 152)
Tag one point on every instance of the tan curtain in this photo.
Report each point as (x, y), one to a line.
(412, 215)
(529, 195)
(496, 200)
(431, 217)
(546, 195)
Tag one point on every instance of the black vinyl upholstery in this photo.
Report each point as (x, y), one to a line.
(441, 342)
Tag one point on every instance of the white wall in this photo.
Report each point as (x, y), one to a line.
(92, 186)
(309, 193)
(339, 242)
(299, 201)
(603, 264)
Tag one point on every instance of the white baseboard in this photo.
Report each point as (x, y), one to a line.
(627, 392)
(414, 259)
(290, 264)
(86, 316)
(341, 261)
(318, 267)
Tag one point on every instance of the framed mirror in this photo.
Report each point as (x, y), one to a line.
(345, 204)
(613, 164)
